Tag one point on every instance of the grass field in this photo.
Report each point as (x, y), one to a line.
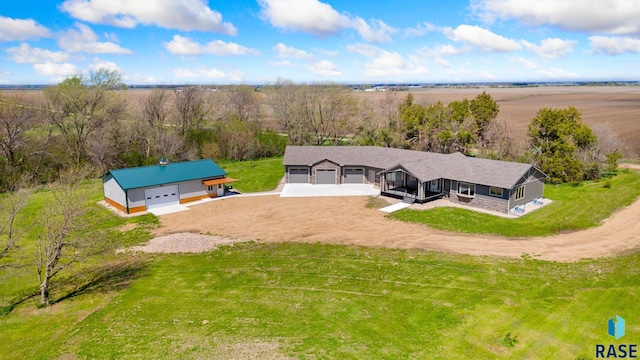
(320, 301)
(573, 208)
(272, 301)
(255, 175)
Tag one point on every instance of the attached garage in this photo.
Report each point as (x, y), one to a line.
(353, 176)
(326, 176)
(161, 196)
(299, 175)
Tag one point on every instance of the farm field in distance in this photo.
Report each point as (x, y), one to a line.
(617, 107)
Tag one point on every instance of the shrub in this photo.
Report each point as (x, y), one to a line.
(509, 341)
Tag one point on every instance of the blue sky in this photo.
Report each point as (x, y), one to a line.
(361, 41)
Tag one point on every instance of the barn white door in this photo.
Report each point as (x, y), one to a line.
(161, 196)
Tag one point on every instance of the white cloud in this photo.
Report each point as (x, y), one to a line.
(481, 38)
(420, 30)
(324, 68)
(557, 74)
(209, 73)
(325, 52)
(25, 54)
(85, 40)
(614, 45)
(185, 46)
(140, 79)
(377, 31)
(310, 16)
(283, 63)
(384, 63)
(530, 63)
(288, 52)
(21, 29)
(187, 15)
(443, 50)
(617, 17)
(444, 63)
(55, 69)
(103, 64)
(320, 19)
(552, 48)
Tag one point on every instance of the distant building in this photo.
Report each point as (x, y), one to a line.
(140, 188)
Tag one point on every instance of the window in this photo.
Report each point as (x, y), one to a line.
(465, 189)
(519, 193)
(495, 191)
(210, 188)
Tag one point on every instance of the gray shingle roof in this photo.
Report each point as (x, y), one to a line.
(423, 165)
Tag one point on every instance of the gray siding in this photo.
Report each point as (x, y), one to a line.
(534, 188)
(484, 190)
(481, 199)
(136, 197)
(113, 191)
(190, 189)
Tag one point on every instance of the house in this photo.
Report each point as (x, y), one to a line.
(140, 188)
(417, 176)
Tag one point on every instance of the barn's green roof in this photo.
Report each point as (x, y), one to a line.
(146, 176)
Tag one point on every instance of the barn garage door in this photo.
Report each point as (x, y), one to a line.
(353, 176)
(299, 176)
(161, 196)
(326, 177)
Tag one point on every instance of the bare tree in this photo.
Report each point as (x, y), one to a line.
(242, 102)
(315, 114)
(389, 107)
(287, 102)
(59, 243)
(17, 116)
(79, 108)
(190, 109)
(14, 203)
(155, 108)
(609, 142)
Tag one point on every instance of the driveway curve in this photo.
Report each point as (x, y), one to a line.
(346, 220)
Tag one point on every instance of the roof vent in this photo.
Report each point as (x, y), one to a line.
(163, 161)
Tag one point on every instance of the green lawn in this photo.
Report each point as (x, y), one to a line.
(271, 300)
(255, 175)
(573, 208)
(321, 301)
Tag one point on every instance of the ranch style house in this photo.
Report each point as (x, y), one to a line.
(417, 176)
(138, 189)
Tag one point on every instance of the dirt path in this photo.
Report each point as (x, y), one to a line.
(345, 220)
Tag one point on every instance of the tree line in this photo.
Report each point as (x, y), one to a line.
(88, 121)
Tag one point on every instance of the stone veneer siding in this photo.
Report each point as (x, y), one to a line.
(326, 165)
(480, 202)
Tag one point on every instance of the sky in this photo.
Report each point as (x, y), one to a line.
(307, 41)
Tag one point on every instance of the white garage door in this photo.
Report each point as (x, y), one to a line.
(162, 196)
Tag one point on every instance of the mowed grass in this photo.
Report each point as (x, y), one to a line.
(324, 301)
(573, 208)
(255, 175)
